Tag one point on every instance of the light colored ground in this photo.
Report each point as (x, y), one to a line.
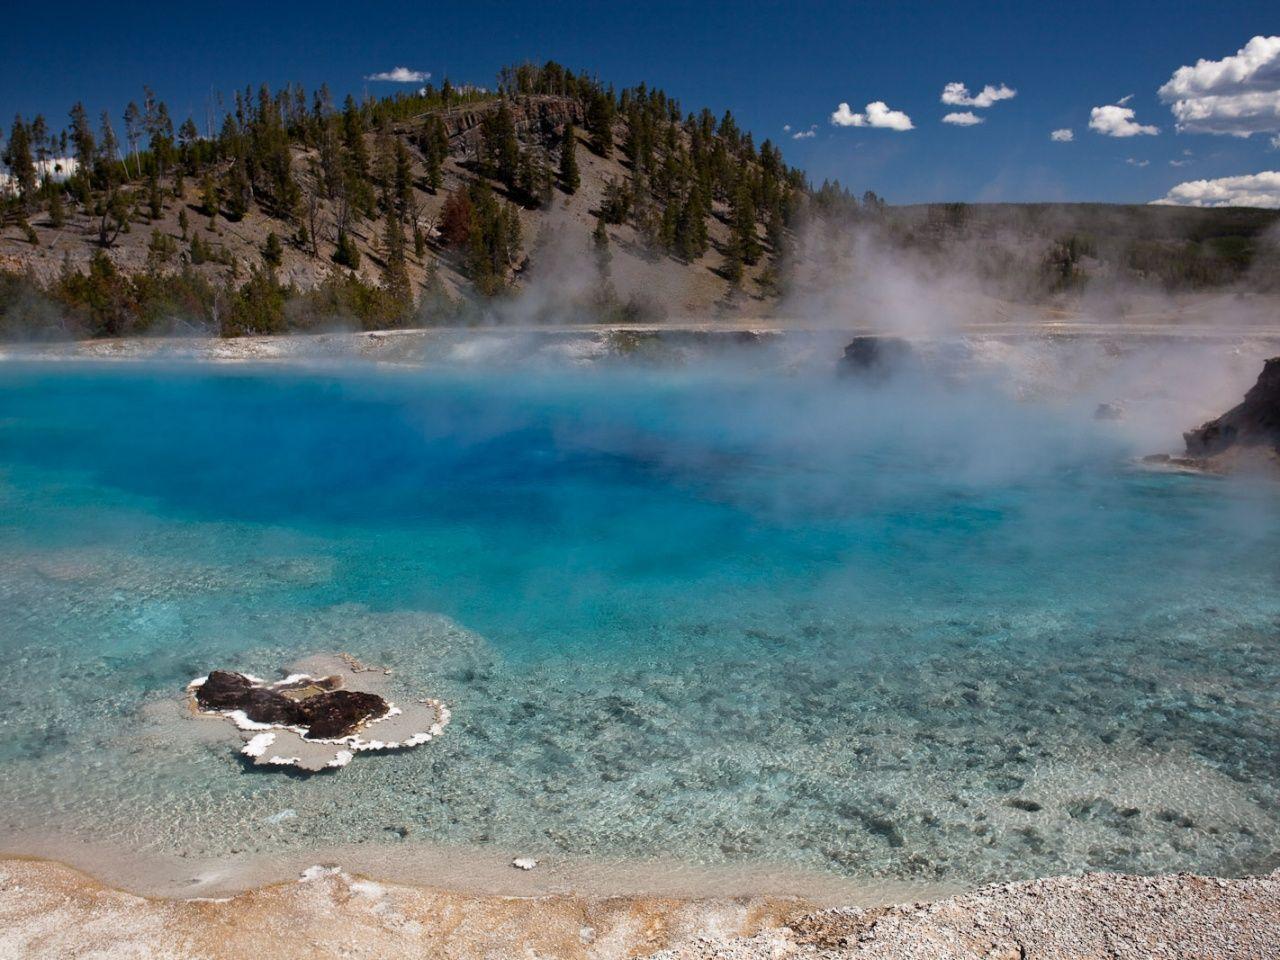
(51, 911)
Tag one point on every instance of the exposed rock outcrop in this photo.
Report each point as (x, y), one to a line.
(1253, 423)
(314, 704)
(308, 721)
(875, 356)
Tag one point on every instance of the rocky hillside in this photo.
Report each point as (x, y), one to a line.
(396, 212)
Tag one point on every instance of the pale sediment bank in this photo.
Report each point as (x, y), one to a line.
(49, 910)
(589, 342)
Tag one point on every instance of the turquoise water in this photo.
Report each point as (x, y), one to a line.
(913, 629)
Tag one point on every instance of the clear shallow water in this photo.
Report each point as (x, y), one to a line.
(915, 629)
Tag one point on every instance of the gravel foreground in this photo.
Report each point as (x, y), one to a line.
(48, 910)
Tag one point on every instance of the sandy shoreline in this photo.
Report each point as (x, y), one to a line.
(50, 910)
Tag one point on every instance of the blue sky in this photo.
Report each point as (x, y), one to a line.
(773, 64)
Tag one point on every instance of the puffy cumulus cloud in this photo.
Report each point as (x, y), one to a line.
(400, 75)
(966, 119)
(1251, 190)
(957, 95)
(808, 134)
(1117, 121)
(877, 114)
(1062, 136)
(1237, 95)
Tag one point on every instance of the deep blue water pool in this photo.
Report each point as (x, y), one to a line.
(917, 628)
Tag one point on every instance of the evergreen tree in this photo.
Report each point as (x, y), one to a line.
(17, 157)
(57, 210)
(86, 147)
(210, 198)
(569, 176)
(600, 116)
(273, 251)
(433, 141)
(395, 275)
(346, 253)
(743, 240)
(402, 180)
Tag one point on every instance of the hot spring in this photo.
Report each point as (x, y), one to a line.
(930, 627)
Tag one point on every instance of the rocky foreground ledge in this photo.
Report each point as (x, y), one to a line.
(48, 910)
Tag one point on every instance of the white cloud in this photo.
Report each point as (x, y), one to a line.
(400, 75)
(805, 134)
(1137, 163)
(1125, 99)
(1275, 142)
(1251, 190)
(1117, 121)
(1178, 163)
(957, 95)
(1237, 95)
(877, 114)
(1062, 136)
(966, 119)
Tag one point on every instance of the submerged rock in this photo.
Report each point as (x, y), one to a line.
(312, 722)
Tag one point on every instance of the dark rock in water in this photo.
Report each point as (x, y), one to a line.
(314, 704)
(1254, 423)
(875, 355)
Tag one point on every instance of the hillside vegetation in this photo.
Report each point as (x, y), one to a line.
(410, 209)
(293, 213)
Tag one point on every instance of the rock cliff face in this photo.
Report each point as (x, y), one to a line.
(534, 117)
(1254, 423)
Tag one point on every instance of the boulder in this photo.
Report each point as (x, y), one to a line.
(875, 356)
(1253, 423)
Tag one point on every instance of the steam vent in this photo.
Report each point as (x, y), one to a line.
(315, 721)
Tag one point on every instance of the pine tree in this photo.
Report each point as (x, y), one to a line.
(600, 115)
(600, 244)
(17, 157)
(744, 240)
(395, 276)
(346, 253)
(569, 176)
(210, 199)
(273, 251)
(86, 147)
(403, 179)
(433, 141)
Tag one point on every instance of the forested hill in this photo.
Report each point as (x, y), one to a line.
(550, 197)
(293, 212)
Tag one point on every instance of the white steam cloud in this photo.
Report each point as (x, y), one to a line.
(877, 114)
(1237, 95)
